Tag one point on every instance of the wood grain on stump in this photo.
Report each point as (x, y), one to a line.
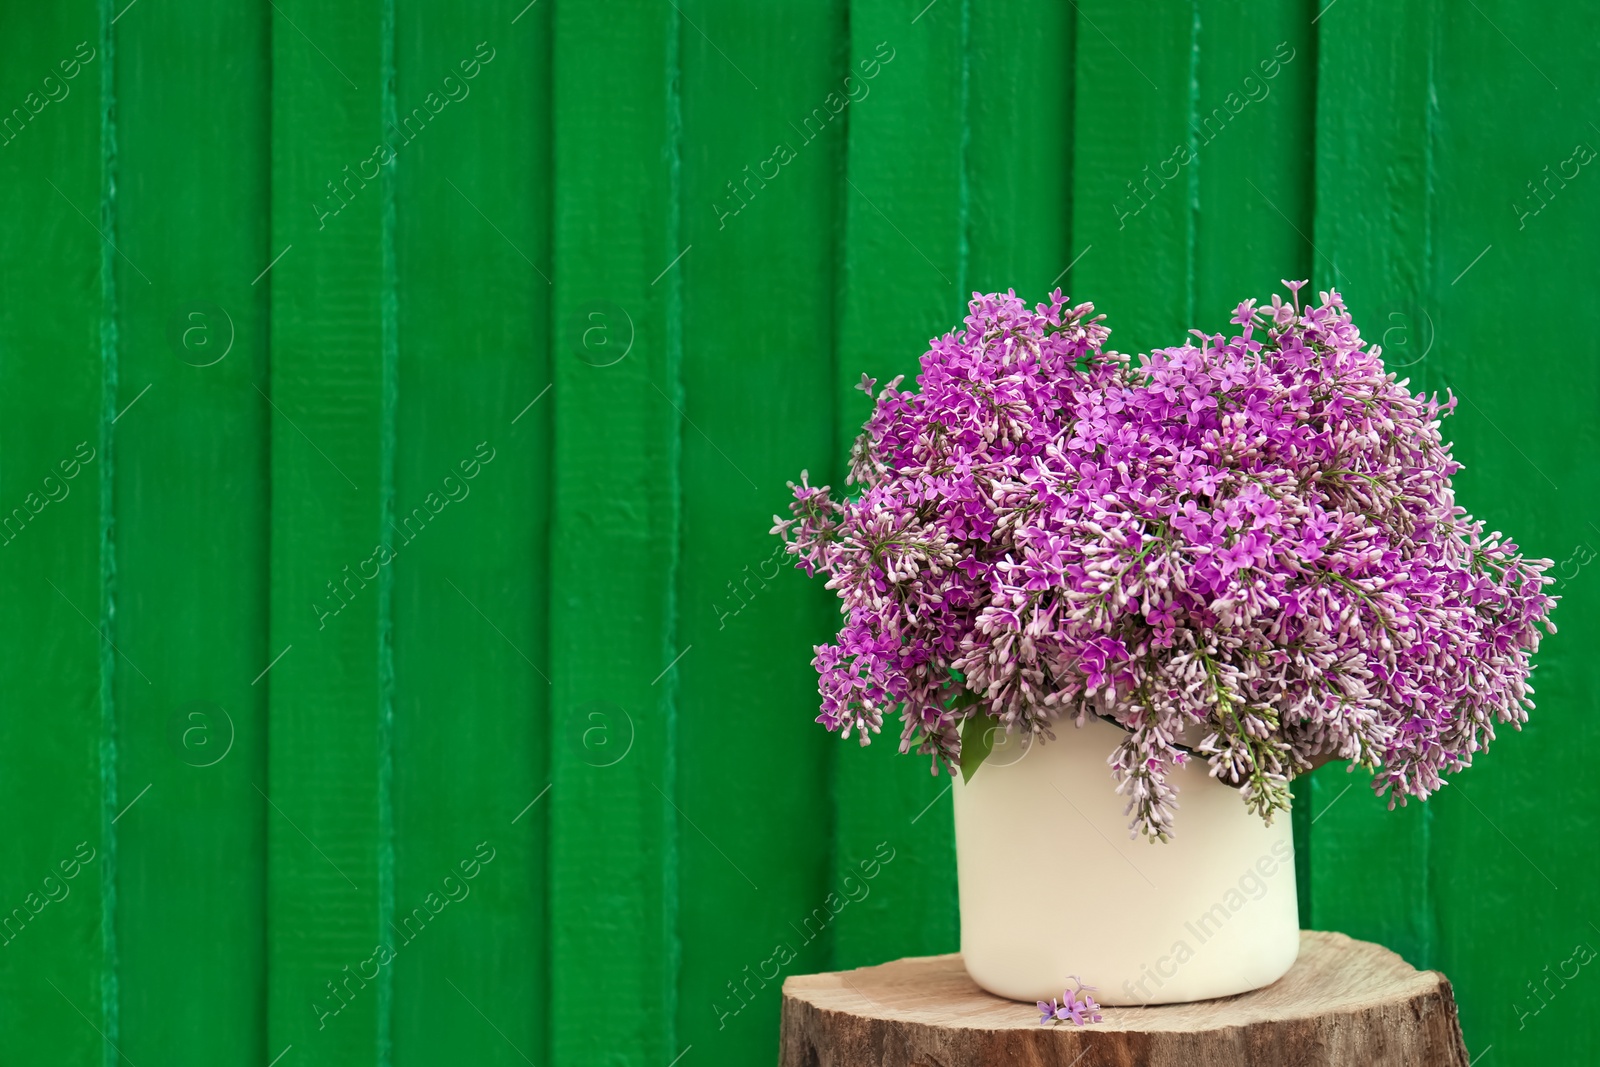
(1343, 1002)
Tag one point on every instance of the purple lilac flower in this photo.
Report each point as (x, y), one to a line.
(1249, 540)
(1079, 1011)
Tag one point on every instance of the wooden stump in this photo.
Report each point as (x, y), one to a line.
(1343, 1002)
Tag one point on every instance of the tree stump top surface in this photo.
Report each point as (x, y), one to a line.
(1343, 1001)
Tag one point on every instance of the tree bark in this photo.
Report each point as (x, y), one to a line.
(1343, 1002)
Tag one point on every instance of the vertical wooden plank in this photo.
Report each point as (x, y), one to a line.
(327, 823)
(1132, 217)
(1374, 241)
(1511, 836)
(905, 281)
(57, 988)
(761, 201)
(472, 696)
(191, 499)
(1255, 85)
(1019, 157)
(614, 829)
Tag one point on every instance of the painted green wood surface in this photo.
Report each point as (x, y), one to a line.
(615, 828)
(191, 502)
(1374, 235)
(330, 857)
(1133, 225)
(750, 366)
(1437, 226)
(470, 634)
(58, 980)
(1020, 89)
(1537, 477)
(903, 273)
(560, 295)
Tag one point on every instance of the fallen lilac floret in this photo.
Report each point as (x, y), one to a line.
(1078, 1012)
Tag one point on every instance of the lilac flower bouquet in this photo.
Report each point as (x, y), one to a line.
(1244, 549)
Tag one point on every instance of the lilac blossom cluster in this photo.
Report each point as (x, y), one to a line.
(1245, 549)
(1071, 1009)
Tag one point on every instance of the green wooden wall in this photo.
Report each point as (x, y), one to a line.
(395, 394)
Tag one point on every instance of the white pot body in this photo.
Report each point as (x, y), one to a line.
(1052, 885)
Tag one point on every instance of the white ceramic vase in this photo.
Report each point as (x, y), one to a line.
(1052, 885)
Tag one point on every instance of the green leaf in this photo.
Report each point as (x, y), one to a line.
(977, 741)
